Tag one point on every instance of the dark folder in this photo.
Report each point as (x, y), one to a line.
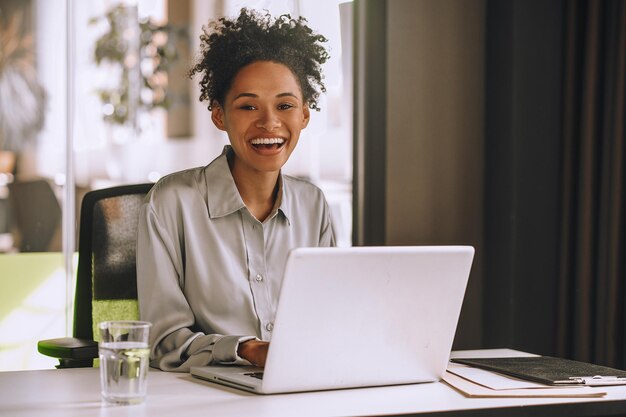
(550, 371)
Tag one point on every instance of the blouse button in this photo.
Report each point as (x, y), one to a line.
(259, 277)
(269, 327)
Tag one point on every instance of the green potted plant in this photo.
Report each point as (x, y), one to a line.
(142, 51)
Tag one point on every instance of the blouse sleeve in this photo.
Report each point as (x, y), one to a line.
(174, 345)
(327, 235)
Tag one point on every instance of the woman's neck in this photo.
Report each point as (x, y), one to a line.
(258, 190)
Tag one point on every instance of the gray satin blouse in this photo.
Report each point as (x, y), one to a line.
(208, 272)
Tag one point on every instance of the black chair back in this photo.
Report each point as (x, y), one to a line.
(106, 251)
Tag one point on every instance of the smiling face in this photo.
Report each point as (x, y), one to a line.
(263, 114)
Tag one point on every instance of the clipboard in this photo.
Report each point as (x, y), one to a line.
(550, 371)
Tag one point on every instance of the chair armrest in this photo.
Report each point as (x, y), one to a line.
(69, 348)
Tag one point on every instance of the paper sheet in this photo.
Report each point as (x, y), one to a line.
(491, 379)
(473, 390)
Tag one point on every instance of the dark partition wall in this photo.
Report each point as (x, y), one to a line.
(522, 172)
(419, 73)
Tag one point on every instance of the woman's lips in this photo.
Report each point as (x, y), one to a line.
(268, 146)
(267, 141)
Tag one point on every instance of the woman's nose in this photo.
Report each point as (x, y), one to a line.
(268, 120)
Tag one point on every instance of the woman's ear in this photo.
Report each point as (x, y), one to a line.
(217, 115)
(306, 113)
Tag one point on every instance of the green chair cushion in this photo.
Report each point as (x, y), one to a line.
(105, 310)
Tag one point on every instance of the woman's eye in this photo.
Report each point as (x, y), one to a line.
(285, 106)
(247, 107)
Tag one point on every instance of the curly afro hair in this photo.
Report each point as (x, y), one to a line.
(227, 45)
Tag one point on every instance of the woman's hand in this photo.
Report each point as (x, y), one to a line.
(254, 351)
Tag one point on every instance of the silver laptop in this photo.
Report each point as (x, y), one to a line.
(359, 317)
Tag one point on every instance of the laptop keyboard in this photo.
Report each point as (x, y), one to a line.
(257, 375)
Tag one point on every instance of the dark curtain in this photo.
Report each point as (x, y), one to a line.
(592, 279)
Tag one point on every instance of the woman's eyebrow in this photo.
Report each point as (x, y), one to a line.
(285, 94)
(246, 95)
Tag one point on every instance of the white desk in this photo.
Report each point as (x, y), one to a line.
(76, 392)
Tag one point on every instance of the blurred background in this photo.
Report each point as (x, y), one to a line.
(96, 94)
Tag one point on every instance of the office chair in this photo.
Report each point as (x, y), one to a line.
(37, 214)
(106, 280)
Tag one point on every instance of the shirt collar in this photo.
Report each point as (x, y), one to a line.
(281, 198)
(223, 197)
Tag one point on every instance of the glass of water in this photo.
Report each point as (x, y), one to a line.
(124, 355)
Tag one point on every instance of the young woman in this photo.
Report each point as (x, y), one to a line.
(213, 241)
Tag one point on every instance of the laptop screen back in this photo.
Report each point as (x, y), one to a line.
(353, 317)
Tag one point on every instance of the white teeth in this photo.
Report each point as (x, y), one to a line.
(267, 141)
